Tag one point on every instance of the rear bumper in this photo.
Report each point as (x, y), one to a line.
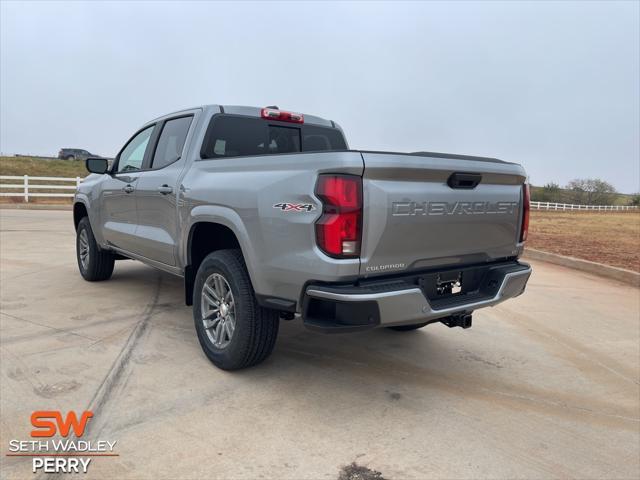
(408, 300)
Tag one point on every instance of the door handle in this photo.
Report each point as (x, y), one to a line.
(165, 189)
(128, 189)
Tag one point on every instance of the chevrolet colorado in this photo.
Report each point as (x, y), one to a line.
(268, 215)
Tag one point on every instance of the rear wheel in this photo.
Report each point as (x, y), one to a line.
(233, 330)
(94, 264)
(70, 157)
(408, 328)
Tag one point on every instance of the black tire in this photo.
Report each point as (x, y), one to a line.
(408, 328)
(99, 263)
(256, 328)
(70, 157)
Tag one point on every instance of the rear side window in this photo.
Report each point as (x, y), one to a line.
(171, 141)
(233, 136)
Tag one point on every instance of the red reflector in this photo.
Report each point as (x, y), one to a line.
(281, 115)
(526, 206)
(338, 230)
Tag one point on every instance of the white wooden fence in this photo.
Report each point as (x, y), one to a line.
(569, 206)
(26, 186)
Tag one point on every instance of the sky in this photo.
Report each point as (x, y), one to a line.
(554, 86)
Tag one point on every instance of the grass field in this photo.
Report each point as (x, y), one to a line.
(607, 237)
(42, 168)
(39, 167)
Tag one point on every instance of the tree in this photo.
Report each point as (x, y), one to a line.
(550, 193)
(591, 191)
(635, 199)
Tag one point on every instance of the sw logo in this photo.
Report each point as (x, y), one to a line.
(295, 207)
(62, 454)
(44, 427)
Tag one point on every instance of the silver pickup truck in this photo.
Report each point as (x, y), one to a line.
(268, 215)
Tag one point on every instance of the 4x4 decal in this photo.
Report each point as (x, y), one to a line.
(295, 207)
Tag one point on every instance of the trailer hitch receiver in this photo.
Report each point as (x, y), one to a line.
(458, 320)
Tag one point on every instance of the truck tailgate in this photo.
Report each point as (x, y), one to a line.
(422, 211)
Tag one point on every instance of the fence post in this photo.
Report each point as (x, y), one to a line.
(26, 189)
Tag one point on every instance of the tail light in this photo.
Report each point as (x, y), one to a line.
(281, 115)
(526, 206)
(339, 229)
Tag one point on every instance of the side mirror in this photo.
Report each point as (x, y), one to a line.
(97, 165)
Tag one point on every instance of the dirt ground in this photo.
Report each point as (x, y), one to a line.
(603, 237)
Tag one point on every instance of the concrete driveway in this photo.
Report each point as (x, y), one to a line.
(545, 386)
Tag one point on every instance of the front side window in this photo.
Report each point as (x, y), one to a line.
(133, 154)
(171, 141)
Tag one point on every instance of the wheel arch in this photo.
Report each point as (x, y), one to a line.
(207, 235)
(80, 211)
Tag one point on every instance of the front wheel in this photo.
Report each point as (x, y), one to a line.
(233, 330)
(94, 264)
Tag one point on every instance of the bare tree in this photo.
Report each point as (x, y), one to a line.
(591, 191)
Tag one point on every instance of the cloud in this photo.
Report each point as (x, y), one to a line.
(551, 85)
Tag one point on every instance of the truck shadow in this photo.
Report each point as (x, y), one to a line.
(400, 369)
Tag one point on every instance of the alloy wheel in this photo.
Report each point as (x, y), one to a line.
(84, 249)
(218, 310)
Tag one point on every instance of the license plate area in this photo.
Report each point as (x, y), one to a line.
(451, 283)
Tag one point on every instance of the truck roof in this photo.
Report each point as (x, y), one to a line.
(247, 111)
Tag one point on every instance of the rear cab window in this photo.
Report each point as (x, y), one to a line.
(238, 136)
